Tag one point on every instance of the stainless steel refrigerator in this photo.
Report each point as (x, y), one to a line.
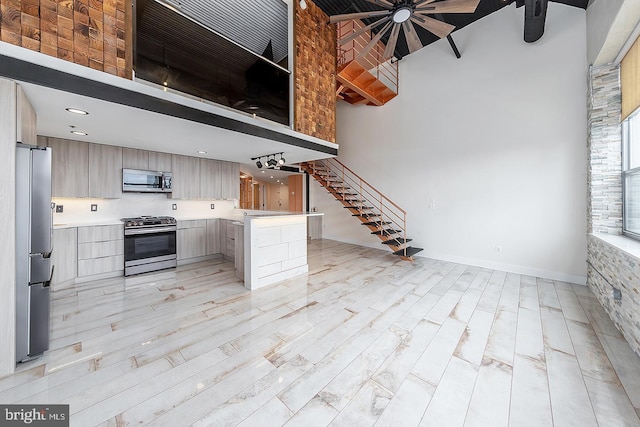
(33, 250)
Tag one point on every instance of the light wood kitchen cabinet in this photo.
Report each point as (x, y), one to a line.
(186, 177)
(230, 181)
(100, 250)
(70, 168)
(210, 179)
(213, 236)
(135, 159)
(160, 162)
(227, 239)
(27, 123)
(105, 171)
(65, 255)
(191, 239)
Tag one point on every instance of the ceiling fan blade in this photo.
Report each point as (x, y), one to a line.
(361, 31)
(391, 43)
(360, 15)
(422, 3)
(382, 3)
(439, 28)
(413, 41)
(450, 6)
(374, 41)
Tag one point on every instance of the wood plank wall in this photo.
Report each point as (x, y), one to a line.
(93, 33)
(630, 80)
(314, 73)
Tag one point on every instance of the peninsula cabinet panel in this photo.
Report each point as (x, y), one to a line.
(105, 171)
(210, 173)
(213, 236)
(186, 177)
(160, 162)
(135, 159)
(69, 168)
(230, 180)
(64, 256)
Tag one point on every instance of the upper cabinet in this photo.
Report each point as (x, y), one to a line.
(230, 181)
(135, 159)
(210, 179)
(105, 171)
(70, 168)
(186, 177)
(27, 120)
(160, 162)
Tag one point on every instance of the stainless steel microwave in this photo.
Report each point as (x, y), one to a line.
(146, 181)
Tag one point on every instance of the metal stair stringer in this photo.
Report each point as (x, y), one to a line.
(378, 213)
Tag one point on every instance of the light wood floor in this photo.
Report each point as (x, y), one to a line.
(364, 339)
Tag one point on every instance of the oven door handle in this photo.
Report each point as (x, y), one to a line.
(139, 231)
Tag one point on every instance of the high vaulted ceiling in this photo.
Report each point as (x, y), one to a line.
(486, 7)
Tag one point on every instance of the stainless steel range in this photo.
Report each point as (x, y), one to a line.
(149, 244)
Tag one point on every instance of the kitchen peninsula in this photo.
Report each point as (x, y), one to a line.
(274, 247)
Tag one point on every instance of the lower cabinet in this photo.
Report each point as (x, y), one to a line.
(213, 236)
(65, 255)
(227, 239)
(191, 239)
(100, 249)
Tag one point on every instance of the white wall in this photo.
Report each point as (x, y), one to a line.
(495, 141)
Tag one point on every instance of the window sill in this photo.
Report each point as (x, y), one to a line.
(626, 244)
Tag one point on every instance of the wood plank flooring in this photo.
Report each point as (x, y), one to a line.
(364, 339)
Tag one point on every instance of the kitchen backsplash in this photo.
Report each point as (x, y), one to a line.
(78, 211)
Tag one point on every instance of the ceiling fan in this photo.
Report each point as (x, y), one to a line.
(405, 14)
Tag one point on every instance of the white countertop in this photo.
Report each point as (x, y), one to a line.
(624, 243)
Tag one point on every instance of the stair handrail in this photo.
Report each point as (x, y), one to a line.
(401, 220)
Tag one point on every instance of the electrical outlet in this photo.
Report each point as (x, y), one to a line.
(59, 208)
(617, 294)
(213, 205)
(94, 208)
(174, 207)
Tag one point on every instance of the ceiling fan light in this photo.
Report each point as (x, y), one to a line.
(281, 161)
(401, 15)
(259, 164)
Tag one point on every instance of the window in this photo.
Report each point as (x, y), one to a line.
(631, 174)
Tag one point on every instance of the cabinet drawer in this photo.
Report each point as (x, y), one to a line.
(193, 223)
(100, 249)
(90, 267)
(100, 233)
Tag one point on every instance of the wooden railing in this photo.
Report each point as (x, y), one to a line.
(385, 71)
(366, 194)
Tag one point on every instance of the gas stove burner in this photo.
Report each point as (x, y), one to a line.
(146, 221)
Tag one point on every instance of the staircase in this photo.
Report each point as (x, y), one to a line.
(379, 214)
(362, 76)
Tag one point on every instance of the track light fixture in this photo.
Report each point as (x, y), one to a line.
(270, 160)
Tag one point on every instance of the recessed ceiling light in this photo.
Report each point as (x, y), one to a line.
(202, 152)
(271, 177)
(262, 171)
(77, 111)
(77, 132)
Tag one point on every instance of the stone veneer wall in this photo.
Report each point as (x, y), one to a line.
(608, 266)
(314, 73)
(604, 146)
(93, 33)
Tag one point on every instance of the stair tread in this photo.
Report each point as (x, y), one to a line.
(376, 223)
(388, 231)
(359, 207)
(367, 215)
(409, 251)
(396, 241)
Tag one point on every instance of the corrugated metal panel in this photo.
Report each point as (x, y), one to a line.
(250, 23)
